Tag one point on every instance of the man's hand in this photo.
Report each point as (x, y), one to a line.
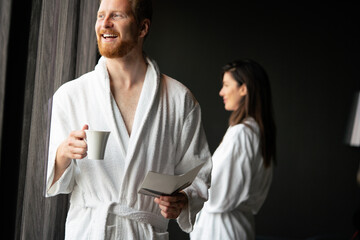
(171, 206)
(74, 147)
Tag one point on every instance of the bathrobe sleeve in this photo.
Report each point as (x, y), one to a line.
(232, 171)
(191, 151)
(59, 131)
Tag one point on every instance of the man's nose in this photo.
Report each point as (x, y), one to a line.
(107, 23)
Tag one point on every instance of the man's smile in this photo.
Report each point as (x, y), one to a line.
(108, 35)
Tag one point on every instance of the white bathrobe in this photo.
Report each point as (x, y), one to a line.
(240, 184)
(167, 137)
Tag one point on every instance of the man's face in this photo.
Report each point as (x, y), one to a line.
(116, 29)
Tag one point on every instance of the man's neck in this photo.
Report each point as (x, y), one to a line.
(126, 80)
(126, 71)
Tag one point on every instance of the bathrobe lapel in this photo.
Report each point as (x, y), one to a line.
(115, 120)
(109, 102)
(143, 109)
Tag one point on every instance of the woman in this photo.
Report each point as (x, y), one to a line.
(242, 164)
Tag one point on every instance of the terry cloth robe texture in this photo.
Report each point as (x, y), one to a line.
(167, 137)
(240, 184)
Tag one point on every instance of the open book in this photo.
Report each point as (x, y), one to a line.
(157, 184)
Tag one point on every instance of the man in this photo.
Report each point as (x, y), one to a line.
(155, 125)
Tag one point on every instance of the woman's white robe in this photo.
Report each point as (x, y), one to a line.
(240, 184)
(167, 137)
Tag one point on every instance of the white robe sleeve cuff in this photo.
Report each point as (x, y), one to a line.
(185, 220)
(63, 184)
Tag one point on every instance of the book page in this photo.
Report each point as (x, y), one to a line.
(157, 184)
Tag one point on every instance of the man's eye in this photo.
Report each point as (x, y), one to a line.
(118, 15)
(101, 16)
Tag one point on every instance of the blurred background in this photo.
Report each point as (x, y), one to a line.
(310, 52)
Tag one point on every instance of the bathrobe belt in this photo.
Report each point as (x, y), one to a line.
(102, 209)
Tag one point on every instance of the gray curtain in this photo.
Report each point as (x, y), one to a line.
(5, 6)
(61, 47)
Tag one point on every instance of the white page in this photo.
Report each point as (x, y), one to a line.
(156, 184)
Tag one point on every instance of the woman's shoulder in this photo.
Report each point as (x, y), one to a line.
(243, 135)
(248, 131)
(248, 127)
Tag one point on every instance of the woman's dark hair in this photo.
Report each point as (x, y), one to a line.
(256, 104)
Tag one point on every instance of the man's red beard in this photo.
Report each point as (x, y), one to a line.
(115, 50)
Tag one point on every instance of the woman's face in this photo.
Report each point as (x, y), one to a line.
(231, 92)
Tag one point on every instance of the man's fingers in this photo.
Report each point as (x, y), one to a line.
(75, 148)
(80, 144)
(171, 206)
(168, 209)
(78, 134)
(168, 215)
(170, 198)
(169, 212)
(77, 156)
(78, 150)
(76, 142)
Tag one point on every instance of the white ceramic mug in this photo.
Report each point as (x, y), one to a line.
(96, 143)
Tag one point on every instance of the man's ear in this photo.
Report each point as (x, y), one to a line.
(144, 28)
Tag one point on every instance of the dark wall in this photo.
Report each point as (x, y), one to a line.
(311, 55)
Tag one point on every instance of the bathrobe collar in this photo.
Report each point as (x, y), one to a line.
(146, 100)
